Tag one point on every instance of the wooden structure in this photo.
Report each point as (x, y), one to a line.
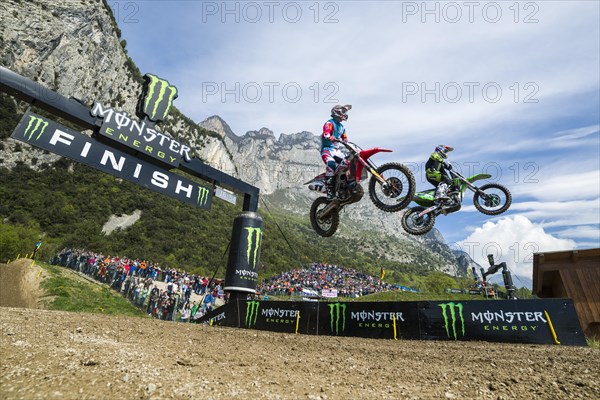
(572, 274)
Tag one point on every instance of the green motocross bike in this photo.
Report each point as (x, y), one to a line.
(489, 199)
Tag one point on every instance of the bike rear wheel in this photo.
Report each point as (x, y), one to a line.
(398, 190)
(323, 226)
(415, 224)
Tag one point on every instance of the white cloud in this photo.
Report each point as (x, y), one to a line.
(582, 232)
(577, 133)
(513, 240)
(554, 187)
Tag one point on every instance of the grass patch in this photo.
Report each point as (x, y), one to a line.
(408, 296)
(69, 292)
(392, 296)
(593, 342)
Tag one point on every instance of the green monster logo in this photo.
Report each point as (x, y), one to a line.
(251, 312)
(158, 98)
(202, 195)
(35, 124)
(336, 311)
(253, 244)
(451, 308)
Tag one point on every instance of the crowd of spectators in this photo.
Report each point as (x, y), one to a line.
(138, 280)
(347, 281)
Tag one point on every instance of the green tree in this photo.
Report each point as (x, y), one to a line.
(438, 282)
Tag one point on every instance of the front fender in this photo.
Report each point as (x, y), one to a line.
(478, 177)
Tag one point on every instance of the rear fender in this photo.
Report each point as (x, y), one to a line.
(318, 178)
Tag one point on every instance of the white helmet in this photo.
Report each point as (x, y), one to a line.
(340, 113)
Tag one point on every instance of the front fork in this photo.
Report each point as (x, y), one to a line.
(373, 170)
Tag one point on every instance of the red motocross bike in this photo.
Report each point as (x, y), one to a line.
(391, 187)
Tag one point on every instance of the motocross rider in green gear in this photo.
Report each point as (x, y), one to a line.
(436, 172)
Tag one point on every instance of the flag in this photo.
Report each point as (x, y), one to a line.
(382, 273)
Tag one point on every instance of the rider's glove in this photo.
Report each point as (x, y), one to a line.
(447, 165)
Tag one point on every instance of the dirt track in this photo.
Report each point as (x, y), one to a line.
(48, 354)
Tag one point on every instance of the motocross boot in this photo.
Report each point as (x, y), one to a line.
(330, 186)
(441, 195)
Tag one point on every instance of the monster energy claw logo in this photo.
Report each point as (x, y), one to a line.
(35, 125)
(202, 195)
(253, 244)
(451, 308)
(252, 312)
(337, 311)
(159, 97)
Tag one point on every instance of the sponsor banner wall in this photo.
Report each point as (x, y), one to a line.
(551, 321)
(49, 135)
(372, 320)
(518, 321)
(279, 316)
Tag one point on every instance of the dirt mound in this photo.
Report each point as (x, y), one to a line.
(51, 354)
(20, 284)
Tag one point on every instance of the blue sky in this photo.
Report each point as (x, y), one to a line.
(513, 86)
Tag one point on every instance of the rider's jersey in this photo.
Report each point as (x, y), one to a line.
(331, 129)
(435, 168)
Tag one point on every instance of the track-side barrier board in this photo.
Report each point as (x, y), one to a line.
(551, 321)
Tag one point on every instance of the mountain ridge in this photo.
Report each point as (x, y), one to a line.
(61, 49)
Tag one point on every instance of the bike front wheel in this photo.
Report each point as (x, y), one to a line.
(397, 190)
(492, 199)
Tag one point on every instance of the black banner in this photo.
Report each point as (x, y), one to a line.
(49, 135)
(548, 321)
(398, 320)
(519, 321)
(279, 316)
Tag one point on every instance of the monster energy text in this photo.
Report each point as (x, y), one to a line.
(509, 321)
(452, 312)
(376, 319)
(140, 136)
(279, 315)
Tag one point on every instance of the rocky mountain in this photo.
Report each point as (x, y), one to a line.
(74, 48)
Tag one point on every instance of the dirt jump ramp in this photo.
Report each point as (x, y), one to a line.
(20, 284)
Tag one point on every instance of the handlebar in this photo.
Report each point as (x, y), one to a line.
(353, 147)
